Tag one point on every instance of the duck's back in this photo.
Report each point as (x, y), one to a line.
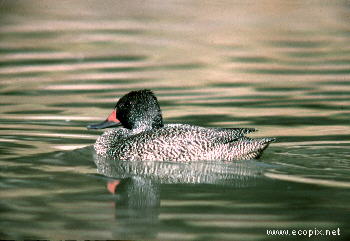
(177, 142)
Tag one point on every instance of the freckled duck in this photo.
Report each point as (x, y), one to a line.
(142, 135)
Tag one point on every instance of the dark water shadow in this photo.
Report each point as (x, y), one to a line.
(137, 187)
(56, 180)
(140, 188)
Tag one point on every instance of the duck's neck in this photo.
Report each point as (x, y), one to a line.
(147, 124)
(141, 128)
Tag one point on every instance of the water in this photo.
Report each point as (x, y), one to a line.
(281, 67)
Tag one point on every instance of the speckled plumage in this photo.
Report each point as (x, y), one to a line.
(151, 140)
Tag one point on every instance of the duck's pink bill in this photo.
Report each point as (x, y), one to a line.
(113, 117)
(111, 121)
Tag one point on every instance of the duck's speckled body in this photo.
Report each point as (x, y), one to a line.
(144, 137)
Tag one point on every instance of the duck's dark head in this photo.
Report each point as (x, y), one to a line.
(135, 110)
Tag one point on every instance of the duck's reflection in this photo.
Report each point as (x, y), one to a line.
(136, 186)
(238, 174)
(136, 208)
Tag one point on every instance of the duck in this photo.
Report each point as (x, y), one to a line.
(139, 134)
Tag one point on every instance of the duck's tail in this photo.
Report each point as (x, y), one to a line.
(247, 148)
(263, 144)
